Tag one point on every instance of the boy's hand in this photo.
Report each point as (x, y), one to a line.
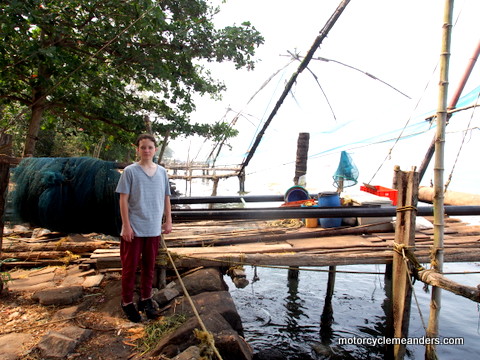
(167, 227)
(127, 233)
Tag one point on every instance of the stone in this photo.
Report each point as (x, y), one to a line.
(59, 344)
(66, 313)
(93, 281)
(164, 296)
(12, 346)
(192, 353)
(59, 296)
(203, 280)
(55, 345)
(32, 281)
(232, 346)
(221, 301)
(183, 337)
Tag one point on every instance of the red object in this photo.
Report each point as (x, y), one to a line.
(298, 203)
(382, 191)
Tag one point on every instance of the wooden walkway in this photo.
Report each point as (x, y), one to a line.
(259, 243)
(227, 243)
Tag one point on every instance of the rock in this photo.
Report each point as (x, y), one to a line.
(66, 313)
(192, 353)
(232, 346)
(221, 301)
(38, 232)
(12, 346)
(164, 296)
(93, 281)
(59, 344)
(203, 280)
(32, 281)
(227, 341)
(59, 296)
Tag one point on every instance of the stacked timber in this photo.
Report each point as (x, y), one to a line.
(23, 247)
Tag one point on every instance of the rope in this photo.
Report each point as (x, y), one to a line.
(204, 335)
(410, 275)
(406, 208)
(405, 251)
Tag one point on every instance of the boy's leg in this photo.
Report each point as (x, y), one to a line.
(129, 254)
(149, 257)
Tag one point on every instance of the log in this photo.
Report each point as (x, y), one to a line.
(74, 247)
(434, 278)
(455, 198)
(33, 255)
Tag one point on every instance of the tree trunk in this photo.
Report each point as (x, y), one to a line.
(35, 121)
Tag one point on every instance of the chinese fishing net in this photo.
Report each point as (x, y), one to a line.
(347, 173)
(67, 194)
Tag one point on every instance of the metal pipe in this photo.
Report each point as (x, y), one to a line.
(309, 212)
(229, 199)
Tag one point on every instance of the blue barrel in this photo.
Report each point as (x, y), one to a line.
(296, 193)
(329, 199)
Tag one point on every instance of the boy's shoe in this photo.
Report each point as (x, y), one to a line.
(131, 311)
(148, 308)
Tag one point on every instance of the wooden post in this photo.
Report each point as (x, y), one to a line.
(241, 181)
(389, 331)
(5, 149)
(407, 183)
(326, 319)
(300, 169)
(302, 156)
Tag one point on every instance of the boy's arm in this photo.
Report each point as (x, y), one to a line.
(127, 231)
(167, 212)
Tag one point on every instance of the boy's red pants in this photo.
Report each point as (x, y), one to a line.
(140, 250)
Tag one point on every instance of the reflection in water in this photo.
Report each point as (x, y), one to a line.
(293, 305)
(326, 319)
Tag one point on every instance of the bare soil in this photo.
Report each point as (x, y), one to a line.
(113, 336)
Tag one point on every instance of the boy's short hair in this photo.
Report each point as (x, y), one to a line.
(145, 136)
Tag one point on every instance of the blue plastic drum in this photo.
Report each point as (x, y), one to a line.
(296, 193)
(329, 199)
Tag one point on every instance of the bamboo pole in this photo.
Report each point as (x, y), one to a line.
(438, 201)
(451, 106)
(318, 40)
(407, 183)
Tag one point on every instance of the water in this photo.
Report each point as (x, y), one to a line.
(282, 318)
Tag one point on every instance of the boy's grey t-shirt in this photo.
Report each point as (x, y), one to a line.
(146, 200)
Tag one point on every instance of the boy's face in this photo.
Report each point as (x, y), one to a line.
(146, 149)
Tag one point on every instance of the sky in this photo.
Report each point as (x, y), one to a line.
(398, 42)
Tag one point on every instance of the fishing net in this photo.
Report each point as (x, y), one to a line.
(347, 173)
(67, 194)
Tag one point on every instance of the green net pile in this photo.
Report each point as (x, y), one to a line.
(347, 173)
(75, 195)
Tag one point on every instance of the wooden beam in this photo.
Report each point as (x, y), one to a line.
(407, 186)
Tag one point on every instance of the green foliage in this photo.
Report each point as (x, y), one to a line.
(154, 331)
(104, 65)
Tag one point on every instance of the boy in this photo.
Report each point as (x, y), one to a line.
(144, 200)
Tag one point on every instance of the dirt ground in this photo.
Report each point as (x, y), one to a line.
(113, 337)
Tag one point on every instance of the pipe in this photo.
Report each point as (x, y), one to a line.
(309, 212)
